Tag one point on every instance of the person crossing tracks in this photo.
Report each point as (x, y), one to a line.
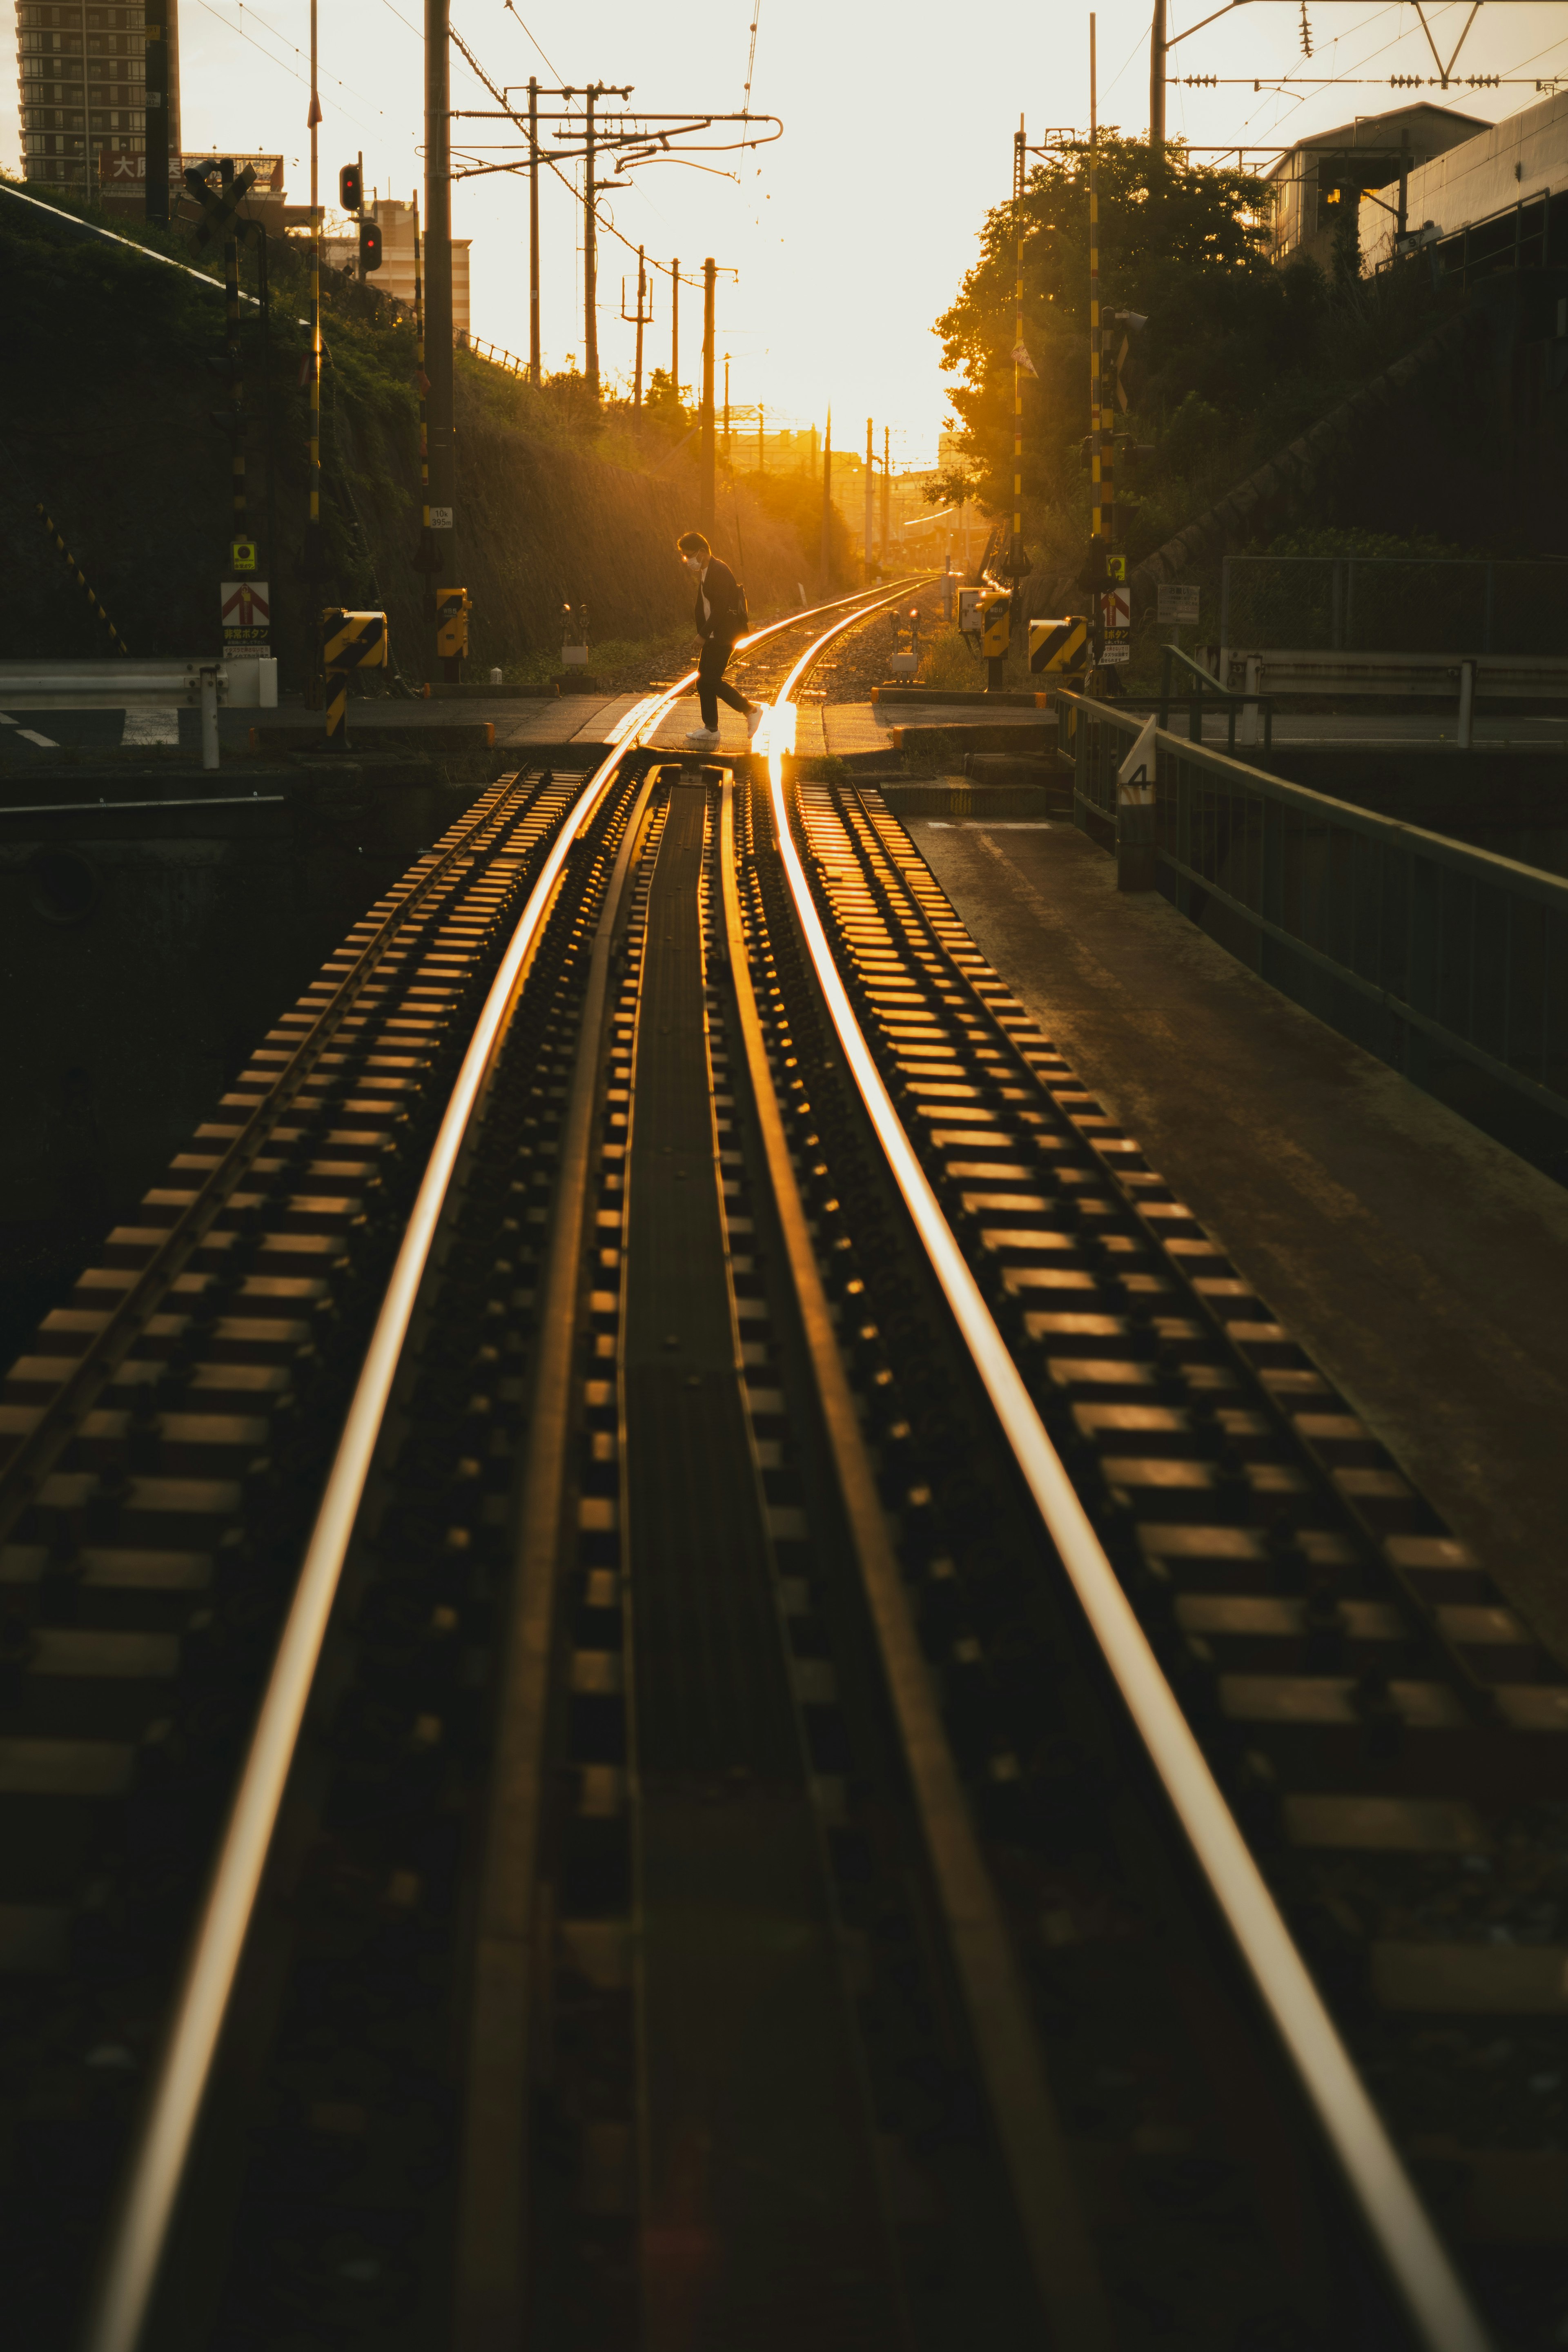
(720, 617)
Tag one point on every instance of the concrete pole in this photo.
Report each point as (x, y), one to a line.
(155, 32)
(1157, 82)
(534, 373)
(826, 500)
(590, 258)
(870, 470)
(636, 380)
(359, 218)
(710, 272)
(675, 327)
(438, 297)
(887, 490)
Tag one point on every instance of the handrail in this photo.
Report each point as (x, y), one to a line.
(1226, 695)
(1462, 857)
(162, 2147)
(1387, 2201)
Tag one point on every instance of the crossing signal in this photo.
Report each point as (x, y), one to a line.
(350, 187)
(370, 245)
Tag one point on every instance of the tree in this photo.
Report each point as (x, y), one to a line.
(1183, 244)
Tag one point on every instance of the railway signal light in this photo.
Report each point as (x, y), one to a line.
(351, 188)
(369, 245)
(452, 610)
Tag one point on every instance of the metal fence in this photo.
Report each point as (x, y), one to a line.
(1418, 946)
(1393, 605)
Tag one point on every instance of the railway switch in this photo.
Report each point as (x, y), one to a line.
(453, 606)
(906, 656)
(349, 641)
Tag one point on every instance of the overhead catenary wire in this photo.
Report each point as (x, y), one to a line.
(605, 222)
(229, 26)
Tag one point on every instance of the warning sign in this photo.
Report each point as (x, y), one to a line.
(247, 616)
(1115, 625)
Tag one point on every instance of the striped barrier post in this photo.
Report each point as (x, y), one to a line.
(80, 577)
(1058, 648)
(349, 641)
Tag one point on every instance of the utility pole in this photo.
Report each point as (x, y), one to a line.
(709, 269)
(761, 462)
(534, 375)
(313, 565)
(826, 498)
(590, 258)
(675, 327)
(438, 301)
(359, 216)
(236, 359)
(642, 319)
(155, 194)
(1157, 86)
(887, 492)
(425, 560)
(870, 470)
(726, 408)
(1017, 562)
(1101, 488)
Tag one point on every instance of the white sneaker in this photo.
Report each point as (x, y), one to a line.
(704, 739)
(755, 714)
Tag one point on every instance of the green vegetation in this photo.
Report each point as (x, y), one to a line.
(1238, 357)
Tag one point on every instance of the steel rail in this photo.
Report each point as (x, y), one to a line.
(92, 1371)
(1392, 2212)
(152, 2177)
(1028, 2129)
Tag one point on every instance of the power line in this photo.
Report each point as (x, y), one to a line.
(230, 27)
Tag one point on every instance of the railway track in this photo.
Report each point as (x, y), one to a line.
(824, 1694)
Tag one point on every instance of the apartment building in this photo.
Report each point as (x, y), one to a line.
(82, 88)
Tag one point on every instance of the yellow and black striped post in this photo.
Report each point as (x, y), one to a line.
(1058, 648)
(81, 578)
(349, 641)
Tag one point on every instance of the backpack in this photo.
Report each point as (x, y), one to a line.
(741, 615)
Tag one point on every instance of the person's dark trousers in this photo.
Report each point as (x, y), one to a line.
(711, 690)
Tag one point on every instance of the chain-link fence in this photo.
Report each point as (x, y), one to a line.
(1393, 605)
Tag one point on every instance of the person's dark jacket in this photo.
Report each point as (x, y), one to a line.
(726, 618)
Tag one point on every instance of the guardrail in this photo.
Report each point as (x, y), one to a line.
(1459, 949)
(1515, 678)
(171, 683)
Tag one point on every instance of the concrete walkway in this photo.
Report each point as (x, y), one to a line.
(1424, 1266)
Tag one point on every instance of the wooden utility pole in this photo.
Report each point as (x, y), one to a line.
(534, 375)
(709, 271)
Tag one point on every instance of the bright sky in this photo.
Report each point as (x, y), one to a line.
(850, 234)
